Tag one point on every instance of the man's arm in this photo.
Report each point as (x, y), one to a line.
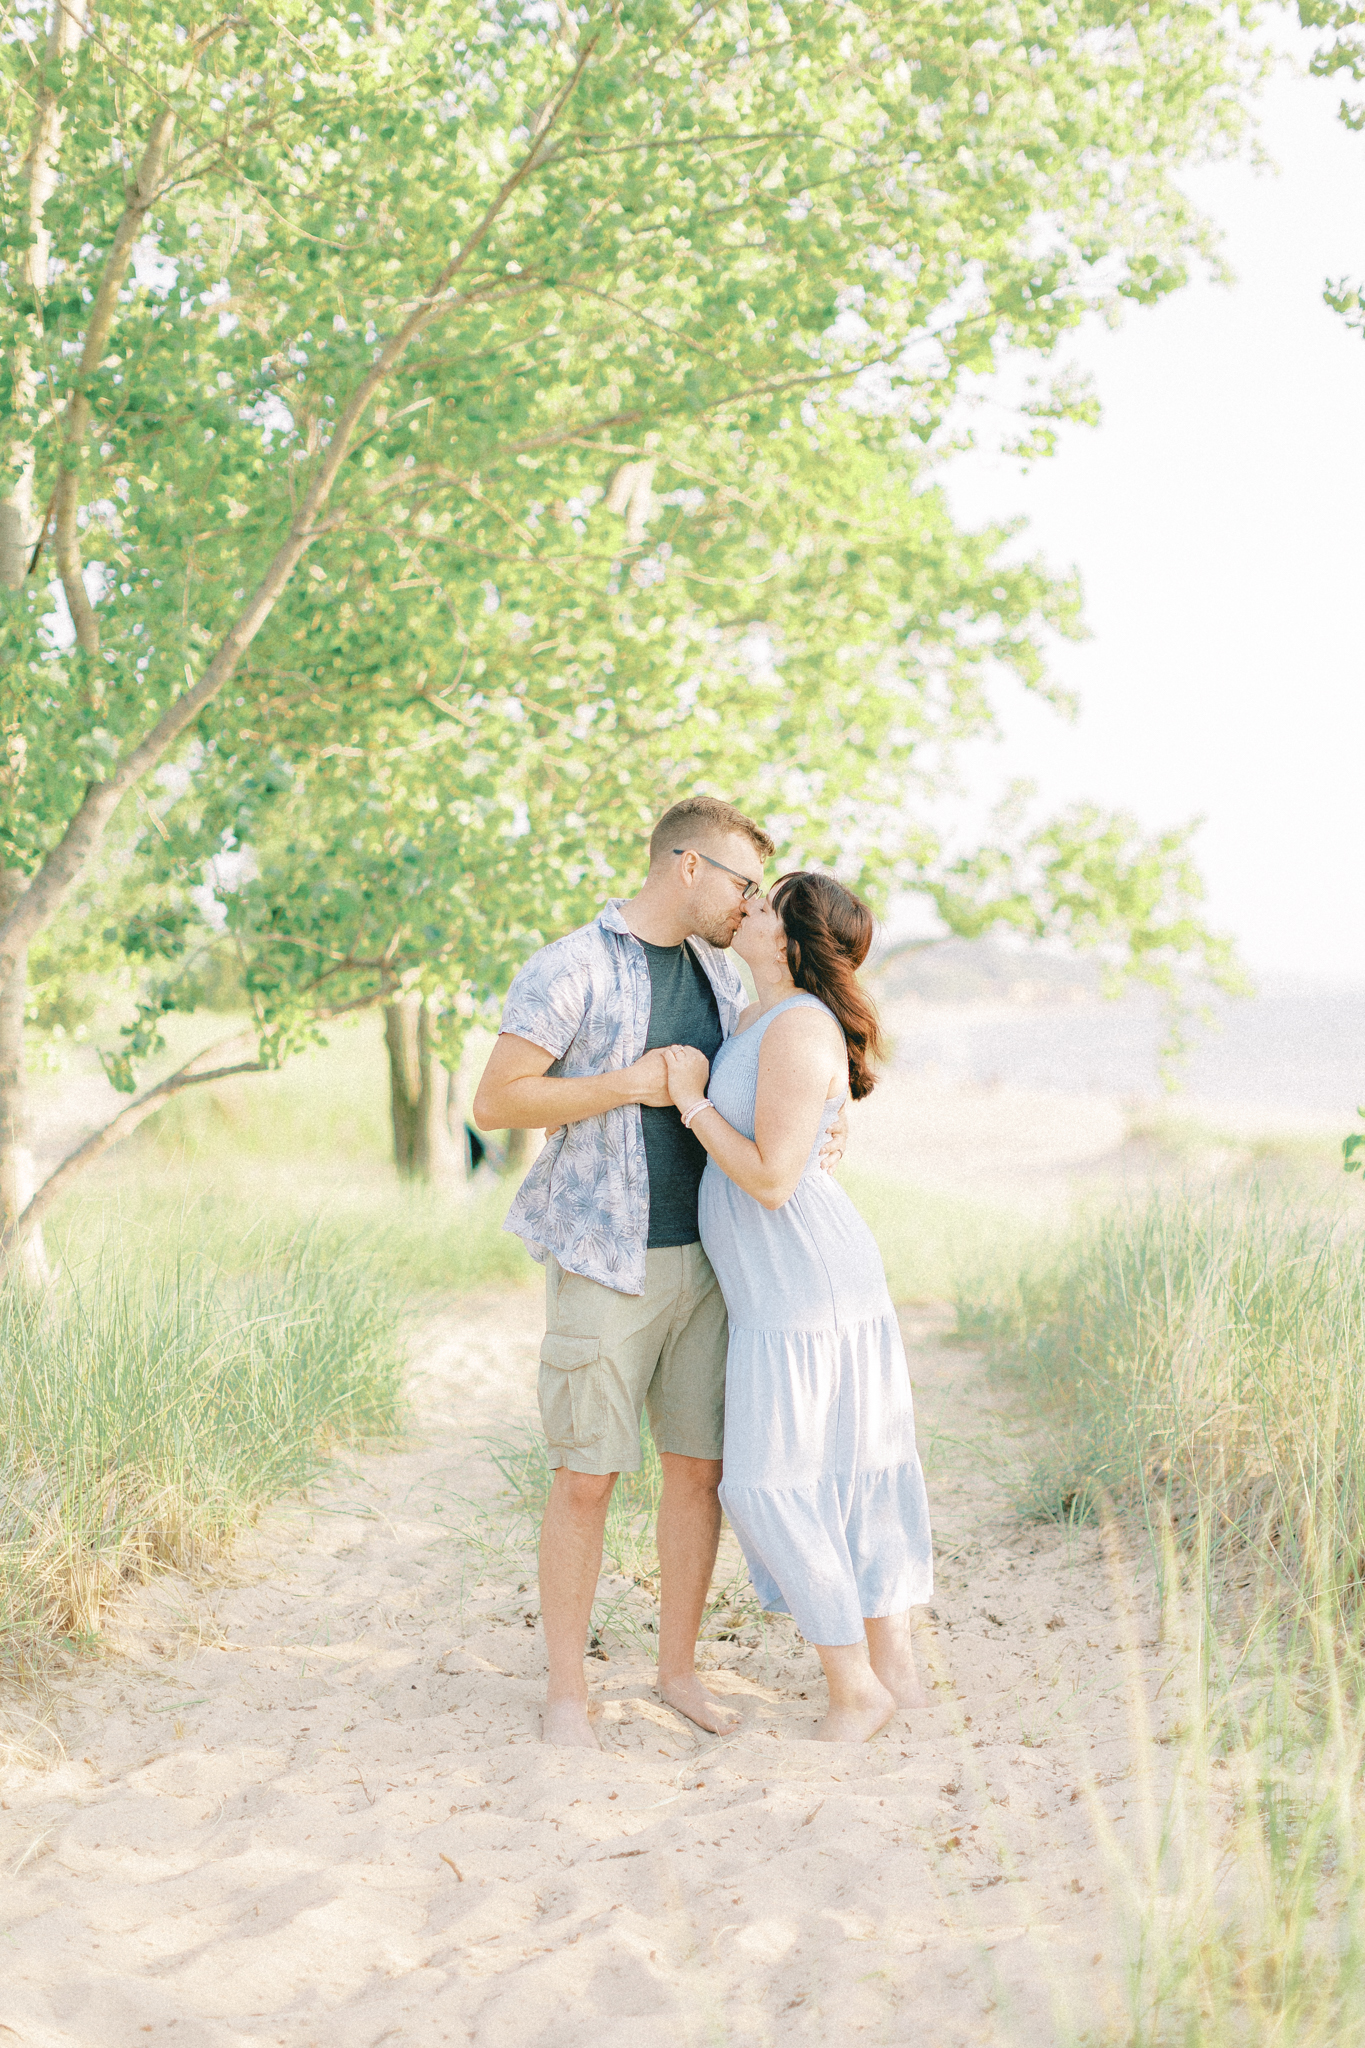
(517, 1093)
(836, 1141)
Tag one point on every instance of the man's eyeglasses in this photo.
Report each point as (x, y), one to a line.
(750, 888)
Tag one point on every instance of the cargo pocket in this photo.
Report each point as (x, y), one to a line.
(573, 1404)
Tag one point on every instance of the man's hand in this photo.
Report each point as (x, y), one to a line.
(647, 1080)
(836, 1141)
(517, 1091)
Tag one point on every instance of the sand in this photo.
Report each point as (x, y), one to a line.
(308, 1805)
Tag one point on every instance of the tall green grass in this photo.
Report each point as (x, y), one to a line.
(510, 1528)
(145, 1417)
(227, 1309)
(1199, 1366)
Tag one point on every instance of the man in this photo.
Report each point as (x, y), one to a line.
(634, 1316)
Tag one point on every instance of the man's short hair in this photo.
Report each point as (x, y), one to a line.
(704, 817)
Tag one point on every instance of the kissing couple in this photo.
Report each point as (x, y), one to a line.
(702, 1263)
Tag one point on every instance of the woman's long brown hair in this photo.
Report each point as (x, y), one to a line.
(828, 933)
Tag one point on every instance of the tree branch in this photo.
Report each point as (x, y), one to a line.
(191, 1075)
(127, 1120)
(68, 858)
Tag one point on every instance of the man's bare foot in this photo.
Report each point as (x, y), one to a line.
(565, 1724)
(690, 1697)
(859, 1719)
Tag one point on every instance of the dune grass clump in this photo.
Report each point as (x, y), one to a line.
(148, 1414)
(1199, 1368)
(1200, 1357)
(507, 1530)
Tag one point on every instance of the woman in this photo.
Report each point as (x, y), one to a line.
(822, 1482)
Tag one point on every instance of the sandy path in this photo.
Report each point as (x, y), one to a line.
(310, 1807)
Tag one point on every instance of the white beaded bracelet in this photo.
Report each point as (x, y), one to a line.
(696, 1110)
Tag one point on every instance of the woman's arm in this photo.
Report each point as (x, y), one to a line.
(801, 1054)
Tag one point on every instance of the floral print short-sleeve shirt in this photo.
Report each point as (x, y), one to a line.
(586, 999)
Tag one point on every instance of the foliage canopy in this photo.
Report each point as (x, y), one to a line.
(455, 429)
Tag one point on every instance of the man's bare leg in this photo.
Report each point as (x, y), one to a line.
(570, 1561)
(689, 1533)
(891, 1651)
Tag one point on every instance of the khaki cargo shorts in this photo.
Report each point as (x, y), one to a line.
(606, 1356)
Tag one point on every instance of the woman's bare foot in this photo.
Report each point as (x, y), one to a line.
(690, 1697)
(565, 1724)
(901, 1680)
(858, 1720)
(891, 1652)
(859, 1704)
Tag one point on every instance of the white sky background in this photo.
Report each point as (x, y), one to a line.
(1217, 518)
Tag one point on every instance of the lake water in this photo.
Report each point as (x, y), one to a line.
(1295, 1051)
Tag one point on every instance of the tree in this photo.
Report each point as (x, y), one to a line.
(815, 651)
(288, 299)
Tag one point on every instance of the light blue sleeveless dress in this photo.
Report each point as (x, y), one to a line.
(822, 1481)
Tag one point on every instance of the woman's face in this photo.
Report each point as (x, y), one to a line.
(761, 941)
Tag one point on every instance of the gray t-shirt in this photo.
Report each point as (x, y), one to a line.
(682, 1011)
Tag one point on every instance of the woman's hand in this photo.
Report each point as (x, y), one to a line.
(688, 1073)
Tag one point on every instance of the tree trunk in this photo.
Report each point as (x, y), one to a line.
(517, 1156)
(419, 1089)
(16, 1161)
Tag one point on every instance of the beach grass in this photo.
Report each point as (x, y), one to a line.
(229, 1294)
(147, 1413)
(1196, 1368)
(507, 1529)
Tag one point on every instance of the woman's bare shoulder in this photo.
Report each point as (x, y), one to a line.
(805, 1026)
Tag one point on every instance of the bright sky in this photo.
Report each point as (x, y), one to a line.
(1217, 517)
